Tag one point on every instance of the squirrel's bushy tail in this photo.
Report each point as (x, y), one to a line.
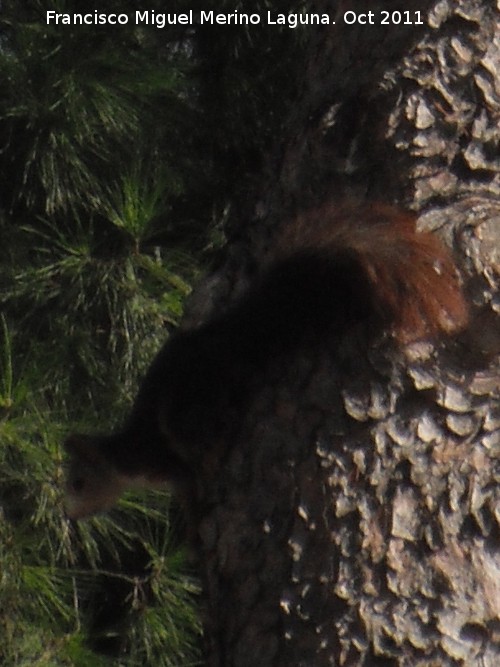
(413, 282)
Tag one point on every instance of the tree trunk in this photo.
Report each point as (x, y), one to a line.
(355, 519)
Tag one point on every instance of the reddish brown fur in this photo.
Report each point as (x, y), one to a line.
(412, 273)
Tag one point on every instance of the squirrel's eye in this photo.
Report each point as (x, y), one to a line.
(78, 484)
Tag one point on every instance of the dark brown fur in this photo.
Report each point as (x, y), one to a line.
(335, 270)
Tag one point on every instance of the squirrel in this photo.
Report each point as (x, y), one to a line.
(334, 270)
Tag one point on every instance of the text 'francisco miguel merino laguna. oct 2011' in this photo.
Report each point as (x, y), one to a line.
(160, 20)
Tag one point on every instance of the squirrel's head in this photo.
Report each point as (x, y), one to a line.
(93, 485)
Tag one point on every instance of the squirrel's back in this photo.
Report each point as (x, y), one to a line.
(336, 273)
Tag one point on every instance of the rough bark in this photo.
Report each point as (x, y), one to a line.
(355, 520)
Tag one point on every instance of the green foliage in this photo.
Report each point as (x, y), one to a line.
(109, 310)
(136, 203)
(74, 103)
(88, 283)
(121, 151)
(54, 575)
(5, 367)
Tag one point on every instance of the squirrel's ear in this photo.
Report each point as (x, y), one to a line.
(83, 446)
